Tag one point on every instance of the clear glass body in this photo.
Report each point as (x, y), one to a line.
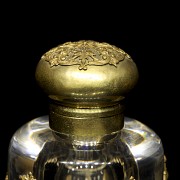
(36, 152)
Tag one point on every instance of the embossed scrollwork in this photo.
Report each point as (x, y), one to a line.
(84, 53)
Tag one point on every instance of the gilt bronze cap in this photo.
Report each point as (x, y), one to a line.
(85, 80)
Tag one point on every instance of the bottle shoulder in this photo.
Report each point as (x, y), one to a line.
(141, 139)
(36, 132)
(35, 142)
(30, 137)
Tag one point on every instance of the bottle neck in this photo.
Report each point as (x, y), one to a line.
(86, 123)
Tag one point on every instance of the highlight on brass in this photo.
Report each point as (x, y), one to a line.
(86, 134)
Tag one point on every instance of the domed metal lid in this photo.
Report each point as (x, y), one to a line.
(85, 79)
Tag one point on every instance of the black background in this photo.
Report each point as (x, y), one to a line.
(147, 32)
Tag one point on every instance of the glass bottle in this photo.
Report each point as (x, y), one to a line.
(86, 136)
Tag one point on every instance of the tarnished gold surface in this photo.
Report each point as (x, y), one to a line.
(84, 53)
(86, 127)
(131, 178)
(86, 82)
(86, 122)
(29, 176)
(165, 172)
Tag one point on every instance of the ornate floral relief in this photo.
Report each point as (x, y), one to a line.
(29, 176)
(84, 53)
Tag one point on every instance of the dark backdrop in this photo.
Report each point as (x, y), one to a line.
(147, 33)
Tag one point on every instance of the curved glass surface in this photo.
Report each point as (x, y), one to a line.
(37, 152)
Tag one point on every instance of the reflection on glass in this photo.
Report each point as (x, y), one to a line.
(136, 153)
